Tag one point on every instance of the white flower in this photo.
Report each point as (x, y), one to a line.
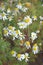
(28, 20)
(38, 31)
(34, 18)
(8, 10)
(2, 7)
(22, 25)
(22, 56)
(19, 6)
(41, 18)
(35, 49)
(5, 32)
(10, 18)
(0, 17)
(15, 11)
(41, 22)
(33, 36)
(26, 57)
(19, 57)
(14, 53)
(4, 17)
(27, 44)
(24, 9)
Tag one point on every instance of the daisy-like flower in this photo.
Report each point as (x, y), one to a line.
(13, 53)
(38, 31)
(33, 36)
(22, 25)
(26, 57)
(16, 11)
(34, 18)
(10, 18)
(5, 32)
(8, 10)
(19, 57)
(28, 4)
(28, 20)
(11, 28)
(41, 17)
(19, 35)
(27, 44)
(35, 49)
(2, 7)
(0, 16)
(21, 42)
(19, 6)
(4, 17)
(24, 9)
(41, 22)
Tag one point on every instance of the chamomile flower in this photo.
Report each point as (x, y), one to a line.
(5, 32)
(24, 9)
(0, 16)
(33, 36)
(13, 53)
(22, 25)
(41, 18)
(2, 7)
(4, 16)
(21, 42)
(19, 57)
(26, 57)
(19, 6)
(8, 10)
(27, 44)
(41, 22)
(10, 18)
(35, 49)
(34, 18)
(28, 20)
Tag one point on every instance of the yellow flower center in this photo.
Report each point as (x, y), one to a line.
(35, 16)
(17, 32)
(20, 3)
(27, 20)
(5, 31)
(8, 9)
(27, 4)
(27, 43)
(19, 55)
(3, 14)
(10, 27)
(35, 45)
(16, 9)
(35, 48)
(12, 52)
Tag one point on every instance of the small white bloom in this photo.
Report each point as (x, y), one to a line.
(14, 53)
(4, 17)
(33, 36)
(41, 18)
(10, 18)
(27, 44)
(35, 49)
(41, 22)
(26, 57)
(28, 20)
(34, 18)
(8, 10)
(19, 6)
(22, 25)
(24, 9)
